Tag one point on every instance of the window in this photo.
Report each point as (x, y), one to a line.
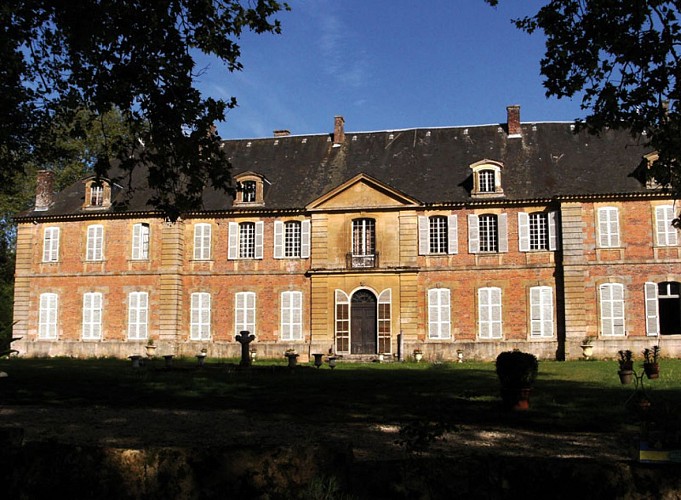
(92, 316)
(486, 180)
(363, 237)
(140, 241)
(202, 237)
(245, 312)
(541, 311)
(487, 233)
(489, 313)
(138, 314)
(245, 240)
(438, 235)
(96, 195)
(608, 227)
(439, 322)
(292, 239)
(47, 318)
(291, 316)
(537, 231)
(200, 316)
(51, 244)
(342, 322)
(384, 303)
(663, 308)
(612, 309)
(248, 191)
(667, 235)
(95, 243)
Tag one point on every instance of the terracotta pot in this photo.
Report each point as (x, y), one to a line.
(626, 376)
(514, 398)
(652, 370)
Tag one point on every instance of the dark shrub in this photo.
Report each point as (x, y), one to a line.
(517, 369)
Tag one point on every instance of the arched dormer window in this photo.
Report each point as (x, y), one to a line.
(250, 189)
(487, 179)
(97, 193)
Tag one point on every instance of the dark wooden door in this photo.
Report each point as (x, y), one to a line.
(363, 323)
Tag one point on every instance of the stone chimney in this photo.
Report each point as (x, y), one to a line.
(282, 133)
(513, 121)
(44, 190)
(338, 131)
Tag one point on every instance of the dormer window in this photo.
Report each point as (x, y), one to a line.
(97, 194)
(487, 179)
(250, 189)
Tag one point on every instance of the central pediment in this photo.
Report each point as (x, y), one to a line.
(362, 191)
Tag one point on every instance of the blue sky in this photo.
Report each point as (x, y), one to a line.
(386, 65)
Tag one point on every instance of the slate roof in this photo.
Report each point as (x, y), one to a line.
(430, 165)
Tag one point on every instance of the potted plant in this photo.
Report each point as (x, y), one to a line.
(517, 372)
(418, 355)
(626, 363)
(292, 357)
(651, 365)
(151, 348)
(587, 347)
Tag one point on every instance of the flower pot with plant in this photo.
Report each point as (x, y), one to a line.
(292, 357)
(651, 365)
(587, 347)
(517, 372)
(151, 348)
(418, 355)
(626, 364)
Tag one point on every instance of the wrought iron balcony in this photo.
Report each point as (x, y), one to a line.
(361, 261)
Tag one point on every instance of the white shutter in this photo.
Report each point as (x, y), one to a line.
(503, 233)
(305, 227)
(233, 241)
(608, 225)
(259, 237)
(603, 240)
(495, 304)
(541, 311)
(136, 241)
(452, 235)
(473, 234)
(424, 235)
(553, 236)
(523, 232)
(278, 239)
(606, 310)
(666, 232)
(51, 244)
(652, 312)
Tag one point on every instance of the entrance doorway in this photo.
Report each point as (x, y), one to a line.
(363, 330)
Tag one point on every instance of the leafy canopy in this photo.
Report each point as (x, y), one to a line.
(62, 58)
(623, 58)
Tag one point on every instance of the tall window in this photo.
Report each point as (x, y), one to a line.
(244, 312)
(384, 317)
(541, 311)
(246, 240)
(438, 234)
(486, 180)
(667, 234)
(202, 237)
(489, 240)
(608, 227)
(51, 244)
(140, 241)
(95, 243)
(439, 317)
(539, 231)
(489, 313)
(200, 316)
(92, 316)
(291, 239)
(291, 316)
(96, 195)
(363, 237)
(612, 309)
(342, 322)
(47, 320)
(138, 314)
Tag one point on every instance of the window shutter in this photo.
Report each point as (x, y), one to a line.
(547, 311)
(259, 236)
(136, 241)
(606, 313)
(495, 302)
(445, 313)
(523, 232)
(652, 314)
(473, 234)
(666, 233)
(553, 236)
(603, 240)
(452, 235)
(424, 236)
(503, 233)
(233, 241)
(278, 239)
(305, 235)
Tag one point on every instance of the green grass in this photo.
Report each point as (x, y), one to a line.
(570, 396)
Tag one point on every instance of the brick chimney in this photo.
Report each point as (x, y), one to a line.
(338, 130)
(513, 121)
(44, 190)
(282, 133)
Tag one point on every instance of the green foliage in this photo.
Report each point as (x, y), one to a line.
(623, 59)
(517, 369)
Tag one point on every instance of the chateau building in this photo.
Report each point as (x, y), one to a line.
(481, 239)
